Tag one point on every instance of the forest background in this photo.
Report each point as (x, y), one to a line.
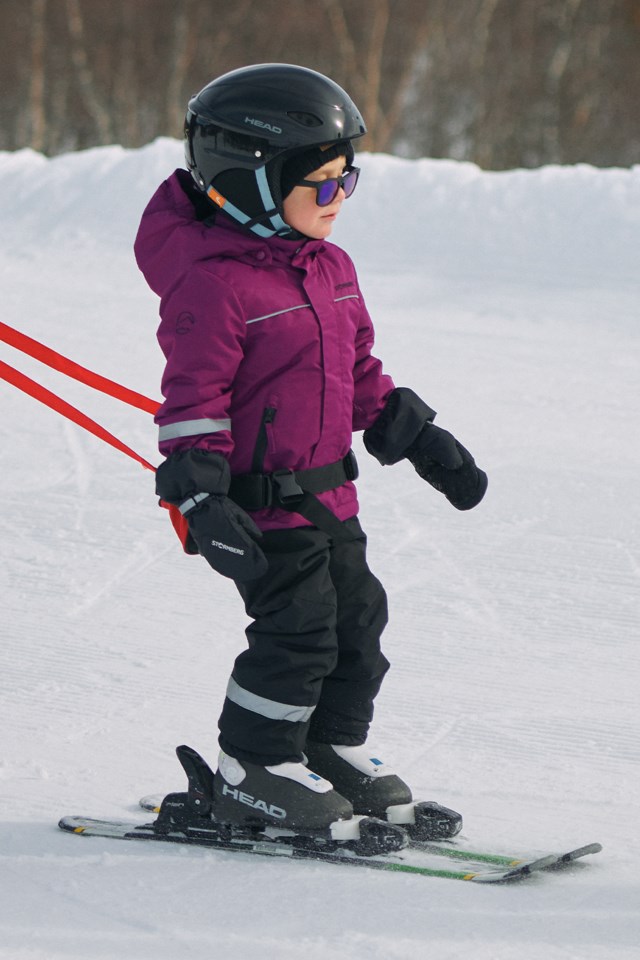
(501, 83)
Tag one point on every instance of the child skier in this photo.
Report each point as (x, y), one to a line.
(268, 372)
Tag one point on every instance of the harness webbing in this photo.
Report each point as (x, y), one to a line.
(71, 369)
(57, 361)
(52, 400)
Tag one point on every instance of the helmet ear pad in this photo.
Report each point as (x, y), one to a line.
(241, 188)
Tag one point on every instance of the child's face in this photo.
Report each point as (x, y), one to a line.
(302, 213)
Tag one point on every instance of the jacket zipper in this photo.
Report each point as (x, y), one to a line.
(262, 442)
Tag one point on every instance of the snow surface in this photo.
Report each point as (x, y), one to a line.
(509, 302)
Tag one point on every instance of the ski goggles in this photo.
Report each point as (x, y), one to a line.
(327, 190)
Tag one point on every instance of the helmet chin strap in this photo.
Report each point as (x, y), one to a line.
(278, 224)
(278, 227)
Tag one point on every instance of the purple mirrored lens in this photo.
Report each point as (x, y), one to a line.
(349, 182)
(327, 192)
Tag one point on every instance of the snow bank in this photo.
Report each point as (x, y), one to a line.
(438, 213)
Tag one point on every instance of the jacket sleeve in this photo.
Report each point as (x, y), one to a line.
(201, 334)
(372, 387)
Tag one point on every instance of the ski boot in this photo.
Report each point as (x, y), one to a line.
(375, 790)
(288, 795)
(285, 804)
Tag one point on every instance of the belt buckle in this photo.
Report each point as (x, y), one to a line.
(288, 490)
(266, 490)
(351, 466)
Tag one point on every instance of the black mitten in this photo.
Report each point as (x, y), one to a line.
(197, 482)
(405, 429)
(444, 463)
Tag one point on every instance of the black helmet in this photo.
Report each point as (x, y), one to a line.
(243, 126)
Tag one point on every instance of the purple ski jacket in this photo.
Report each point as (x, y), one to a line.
(259, 335)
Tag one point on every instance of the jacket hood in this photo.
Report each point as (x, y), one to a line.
(171, 238)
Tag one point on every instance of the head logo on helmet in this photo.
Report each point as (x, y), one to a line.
(263, 125)
(242, 127)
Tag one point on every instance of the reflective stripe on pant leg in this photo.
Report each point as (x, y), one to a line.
(267, 708)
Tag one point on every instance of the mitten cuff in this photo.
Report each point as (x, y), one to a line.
(397, 427)
(190, 472)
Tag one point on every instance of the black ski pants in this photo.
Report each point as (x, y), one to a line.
(313, 665)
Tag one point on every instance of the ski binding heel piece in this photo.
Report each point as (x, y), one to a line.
(199, 779)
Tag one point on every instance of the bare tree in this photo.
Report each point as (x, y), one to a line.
(92, 91)
(37, 74)
(180, 61)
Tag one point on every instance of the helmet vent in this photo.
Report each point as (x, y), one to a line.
(305, 119)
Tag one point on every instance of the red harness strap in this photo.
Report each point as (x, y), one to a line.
(55, 360)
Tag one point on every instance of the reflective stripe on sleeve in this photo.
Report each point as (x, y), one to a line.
(192, 502)
(192, 428)
(267, 708)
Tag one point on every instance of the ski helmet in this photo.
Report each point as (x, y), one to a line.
(242, 128)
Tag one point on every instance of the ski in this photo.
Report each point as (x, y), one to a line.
(452, 850)
(294, 848)
(358, 841)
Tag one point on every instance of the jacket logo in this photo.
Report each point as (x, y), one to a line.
(270, 809)
(262, 124)
(184, 323)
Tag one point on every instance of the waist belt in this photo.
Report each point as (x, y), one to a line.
(294, 490)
